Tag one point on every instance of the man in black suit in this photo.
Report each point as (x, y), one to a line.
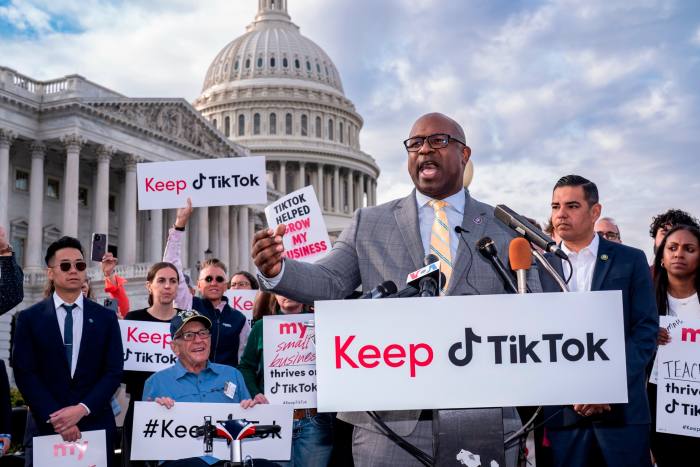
(67, 353)
(603, 434)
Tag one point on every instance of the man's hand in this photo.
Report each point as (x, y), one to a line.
(71, 434)
(587, 410)
(183, 215)
(248, 403)
(109, 262)
(166, 402)
(664, 337)
(67, 417)
(268, 249)
(261, 399)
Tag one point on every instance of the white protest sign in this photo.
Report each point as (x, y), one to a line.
(89, 451)
(470, 351)
(289, 354)
(146, 345)
(678, 388)
(306, 237)
(242, 300)
(209, 182)
(162, 434)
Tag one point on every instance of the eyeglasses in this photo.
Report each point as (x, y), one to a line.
(209, 279)
(190, 335)
(609, 235)
(436, 141)
(240, 284)
(66, 265)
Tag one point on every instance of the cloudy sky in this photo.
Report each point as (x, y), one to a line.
(607, 89)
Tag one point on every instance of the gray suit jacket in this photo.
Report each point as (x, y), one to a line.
(384, 243)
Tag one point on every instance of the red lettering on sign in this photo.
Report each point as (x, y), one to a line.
(169, 185)
(394, 355)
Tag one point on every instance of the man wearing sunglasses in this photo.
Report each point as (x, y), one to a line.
(67, 355)
(230, 328)
(389, 241)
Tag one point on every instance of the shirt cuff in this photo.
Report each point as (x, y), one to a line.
(271, 282)
(85, 407)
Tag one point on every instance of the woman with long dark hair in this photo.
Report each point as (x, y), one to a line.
(677, 281)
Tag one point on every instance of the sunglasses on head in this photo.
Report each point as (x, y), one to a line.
(79, 266)
(209, 279)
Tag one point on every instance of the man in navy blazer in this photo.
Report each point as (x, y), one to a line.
(67, 355)
(619, 433)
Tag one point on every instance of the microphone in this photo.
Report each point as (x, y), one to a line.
(531, 233)
(520, 256)
(487, 248)
(428, 278)
(381, 291)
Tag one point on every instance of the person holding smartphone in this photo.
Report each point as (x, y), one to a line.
(114, 284)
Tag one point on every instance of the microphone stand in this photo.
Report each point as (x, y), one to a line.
(550, 269)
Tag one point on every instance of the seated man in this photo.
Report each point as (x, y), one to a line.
(193, 378)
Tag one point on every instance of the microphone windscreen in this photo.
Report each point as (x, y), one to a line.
(430, 259)
(519, 254)
(390, 287)
(483, 243)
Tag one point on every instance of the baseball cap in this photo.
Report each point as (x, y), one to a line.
(185, 316)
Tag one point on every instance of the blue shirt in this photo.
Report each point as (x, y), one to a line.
(208, 386)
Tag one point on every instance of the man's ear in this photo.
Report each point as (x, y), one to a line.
(466, 154)
(596, 209)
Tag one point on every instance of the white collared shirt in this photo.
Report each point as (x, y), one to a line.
(77, 324)
(426, 217)
(583, 264)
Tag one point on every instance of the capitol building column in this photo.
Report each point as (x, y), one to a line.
(223, 252)
(301, 180)
(154, 241)
(127, 227)
(338, 207)
(71, 177)
(243, 239)
(6, 138)
(350, 194)
(100, 219)
(319, 182)
(233, 239)
(36, 212)
(282, 181)
(202, 232)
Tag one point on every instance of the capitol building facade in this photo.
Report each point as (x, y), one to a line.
(69, 149)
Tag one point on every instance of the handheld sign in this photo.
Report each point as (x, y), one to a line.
(89, 450)
(208, 182)
(146, 345)
(678, 389)
(242, 300)
(170, 434)
(289, 354)
(306, 237)
(478, 351)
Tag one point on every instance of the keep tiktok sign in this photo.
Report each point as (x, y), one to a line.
(208, 182)
(470, 351)
(306, 238)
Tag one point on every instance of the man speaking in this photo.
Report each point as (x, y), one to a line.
(389, 241)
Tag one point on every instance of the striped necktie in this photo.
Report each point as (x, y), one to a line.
(68, 333)
(440, 240)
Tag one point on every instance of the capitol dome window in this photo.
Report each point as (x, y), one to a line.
(285, 62)
(330, 129)
(288, 124)
(235, 65)
(273, 124)
(304, 125)
(308, 66)
(256, 124)
(318, 68)
(213, 122)
(241, 125)
(272, 62)
(227, 126)
(318, 127)
(247, 63)
(260, 62)
(340, 131)
(297, 65)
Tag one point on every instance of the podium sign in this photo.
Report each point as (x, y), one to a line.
(470, 351)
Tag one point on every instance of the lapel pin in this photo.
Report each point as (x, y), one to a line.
(604, 257)
(477, 220)
(90, 320)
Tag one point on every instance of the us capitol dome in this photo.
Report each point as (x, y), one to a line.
(279, 94)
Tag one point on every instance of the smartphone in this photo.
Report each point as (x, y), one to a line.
(99, 246)
(111, 304)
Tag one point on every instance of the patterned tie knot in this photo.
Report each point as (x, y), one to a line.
(69, 308)
(438, 204)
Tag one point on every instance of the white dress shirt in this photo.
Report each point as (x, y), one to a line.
(77, 324)
(583, 263)
(426, 217)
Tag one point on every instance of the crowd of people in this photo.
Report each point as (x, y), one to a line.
(67, 353)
